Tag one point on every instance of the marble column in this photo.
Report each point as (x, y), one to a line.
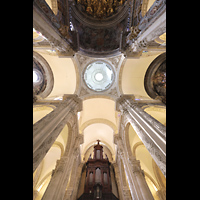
(139, 176)
(117, 176)
(71, 192)
(135, 177)
(58, 183)
(46, 130)
(149, 130)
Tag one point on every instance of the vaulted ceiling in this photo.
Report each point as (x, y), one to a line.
(98, 119)
(92, 35)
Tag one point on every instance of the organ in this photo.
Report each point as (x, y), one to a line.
(98, 180)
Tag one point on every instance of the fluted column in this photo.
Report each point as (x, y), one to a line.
(150, 131)
(46, 130)
(60, 178)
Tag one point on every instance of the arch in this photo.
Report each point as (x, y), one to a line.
(157, 112)
(132, 73)
(151, 179)
(159, 175)
(99, 109)
(59, 145)
(159, 63)
(41, 182)
(47, 74)
(98, 131)
(69, 139)
(48, 164)
(98, 120)
(40, 111)
(103, 143)
(93, 96)
(127, 141)
(135, 146)
(90, 149)
(120, 76)
(158, 108)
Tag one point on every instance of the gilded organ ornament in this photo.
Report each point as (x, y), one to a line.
(100, 8)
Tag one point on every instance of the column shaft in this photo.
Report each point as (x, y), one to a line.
(137, 183)
(150, 131)
(46, 130)
(58, 183)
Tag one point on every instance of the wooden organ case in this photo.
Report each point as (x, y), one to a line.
(98, 179)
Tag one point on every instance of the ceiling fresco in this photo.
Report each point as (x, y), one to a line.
(100, 8)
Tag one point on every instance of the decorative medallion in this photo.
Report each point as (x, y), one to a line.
(99, 76)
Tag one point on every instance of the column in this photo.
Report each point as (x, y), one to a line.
(53, 27)
(46, 130)
(161, 194)
(58, 183)
(71, 192)
(117, 176)
(139, 175)
(145, 30)
(137, 183)
(150, 131)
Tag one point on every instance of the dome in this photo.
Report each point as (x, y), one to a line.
(98, 76)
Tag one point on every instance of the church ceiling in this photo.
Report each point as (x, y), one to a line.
(73, 34)
(93, 27)
(99, 27)
(100, 8)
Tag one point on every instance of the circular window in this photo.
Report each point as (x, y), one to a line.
(99, 76)
(43, 80)
(37, 77)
